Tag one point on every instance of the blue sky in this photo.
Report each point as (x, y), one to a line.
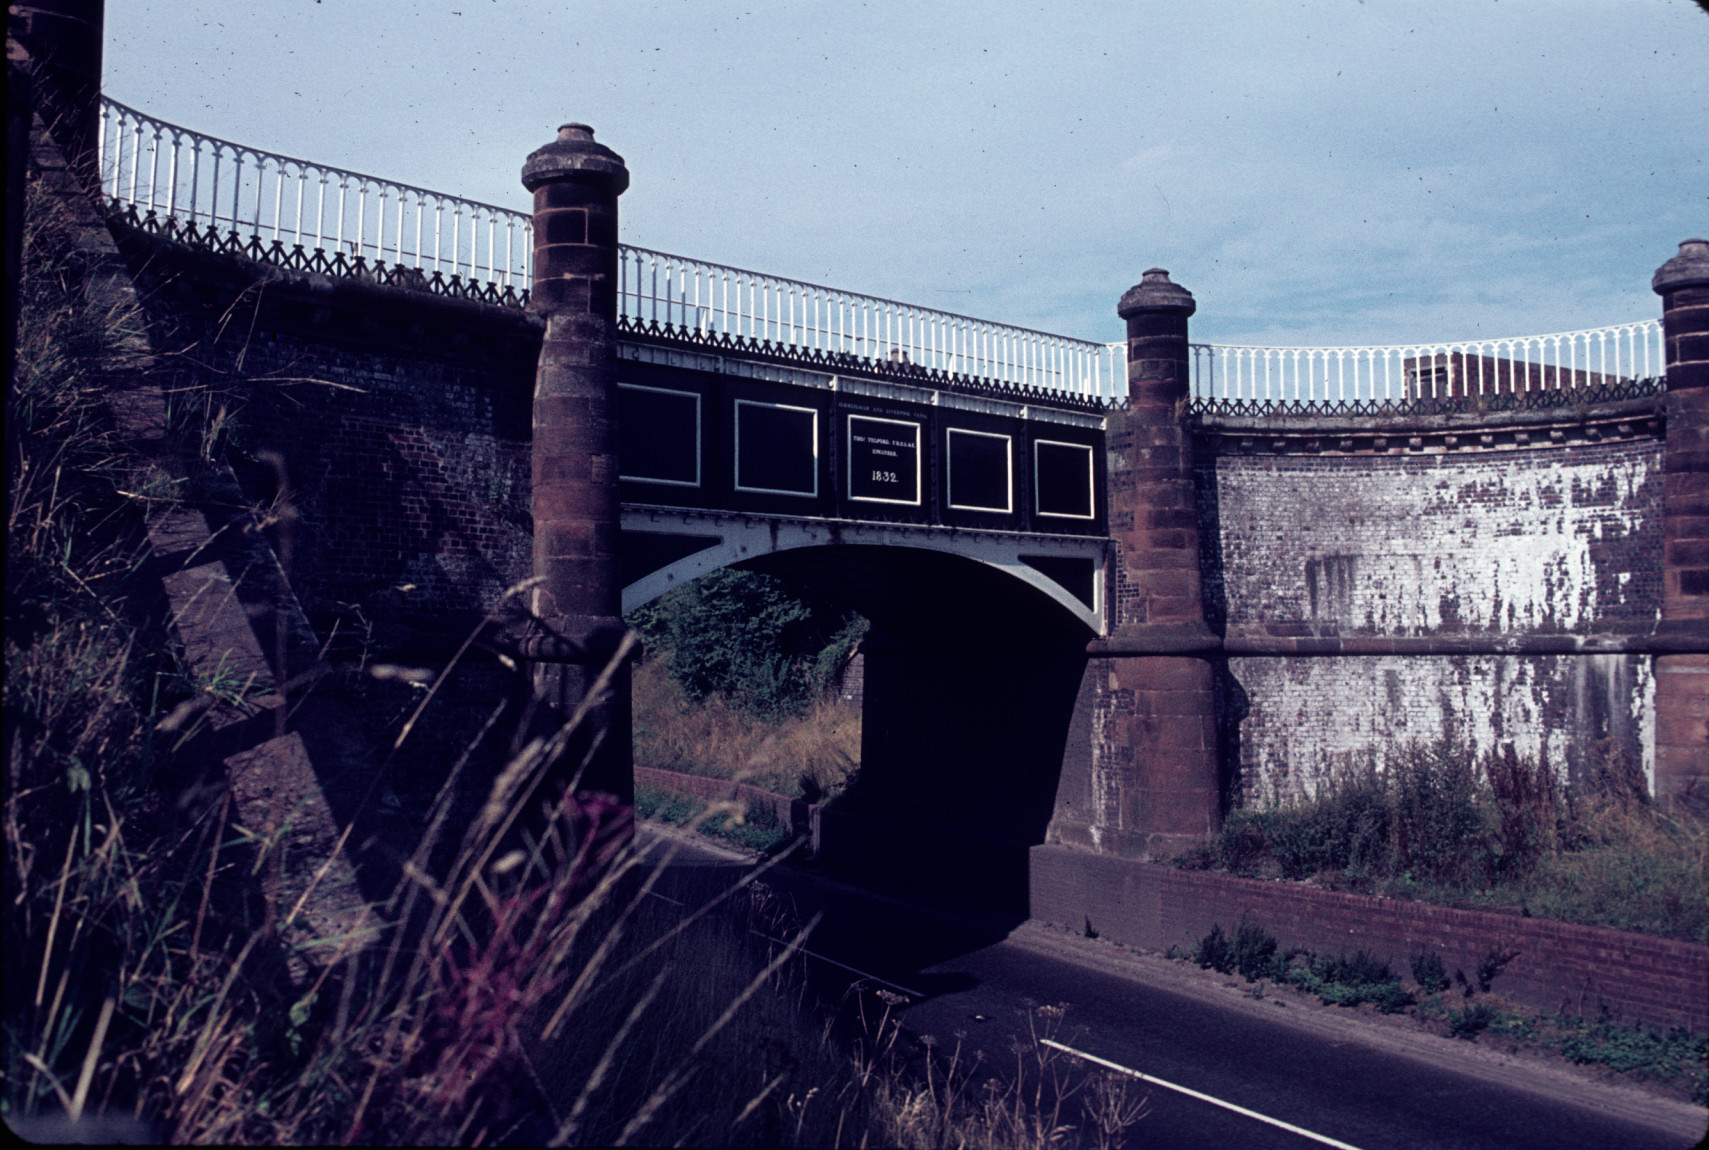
(1322, 172)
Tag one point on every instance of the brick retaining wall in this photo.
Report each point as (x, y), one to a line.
(1559, 966)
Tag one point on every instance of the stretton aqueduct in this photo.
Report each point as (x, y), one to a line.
(1115, 589)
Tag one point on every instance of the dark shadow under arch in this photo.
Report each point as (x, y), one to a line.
(972, 678)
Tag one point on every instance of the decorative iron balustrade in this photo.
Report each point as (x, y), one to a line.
(186, 186)
(1577, 361)
(213, 187)
(841, 362)
(710, 300)
(1213, 409)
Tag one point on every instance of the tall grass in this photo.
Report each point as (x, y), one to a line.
(716, 739)
(528, 983)
(1435, 822)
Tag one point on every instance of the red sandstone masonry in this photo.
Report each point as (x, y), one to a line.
(1640, 979)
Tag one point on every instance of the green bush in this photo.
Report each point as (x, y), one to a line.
(1472, 1021)
(1255, 953)
(1673, 1054)
(1435, 822)
(1214, 951)
(767, 647)
(1429, 973)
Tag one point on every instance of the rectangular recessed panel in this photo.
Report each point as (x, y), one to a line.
(658, 435)
(777, 448)
(979, 471)
(884, 460)
(1062, 479)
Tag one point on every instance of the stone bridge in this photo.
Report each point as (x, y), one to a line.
(1114, 588)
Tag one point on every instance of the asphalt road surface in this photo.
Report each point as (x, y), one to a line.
(1222, 1069)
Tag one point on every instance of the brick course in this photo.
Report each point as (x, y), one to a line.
(1580, 970)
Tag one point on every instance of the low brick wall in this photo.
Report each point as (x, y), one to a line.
(1558, 965)
(1580, 969)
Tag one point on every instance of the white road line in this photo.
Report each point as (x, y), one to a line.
(1132, 1073)
(815, 954)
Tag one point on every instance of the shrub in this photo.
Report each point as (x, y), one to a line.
(1434, 823)
(1472, 1021)
(1439, 820)
(1255, 952)
(1214, 951)
(1493, 962)
(766, 646)
(1429, 973)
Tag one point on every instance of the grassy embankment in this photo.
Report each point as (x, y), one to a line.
(1437, 825)
(530, 990)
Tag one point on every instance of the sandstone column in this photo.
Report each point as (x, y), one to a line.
(1171, 797)
(1682, 680)
(576, 183)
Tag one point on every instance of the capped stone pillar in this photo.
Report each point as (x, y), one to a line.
(1682, 680)
(1171, 797)
(576, 183)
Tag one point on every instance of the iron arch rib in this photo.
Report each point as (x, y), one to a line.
(949, 579)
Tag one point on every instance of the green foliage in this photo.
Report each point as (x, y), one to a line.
(1434, 822)
(1651, 1053)
(1429, 973)
(1214, 951)
(1472, 1021)
(758, 828)
(1343, 981)
(765, 646)
(1255, 952)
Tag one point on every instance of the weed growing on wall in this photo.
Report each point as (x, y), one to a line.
(1435, 822)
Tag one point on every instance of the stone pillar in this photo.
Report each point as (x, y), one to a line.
(63, 38)
(1171, 798)
(1682, 680)
(576, 183)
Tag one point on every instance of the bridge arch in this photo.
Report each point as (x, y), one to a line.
(974, 669)
(878, 568)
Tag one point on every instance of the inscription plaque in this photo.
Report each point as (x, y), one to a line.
(884, 460)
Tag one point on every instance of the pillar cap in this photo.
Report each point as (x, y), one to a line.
(574, 154)
(1690, 268)
(1154, 292)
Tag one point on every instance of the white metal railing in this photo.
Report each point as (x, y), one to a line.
(1558, 361)
(188, 177)
(711, 300)
(173, 173)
